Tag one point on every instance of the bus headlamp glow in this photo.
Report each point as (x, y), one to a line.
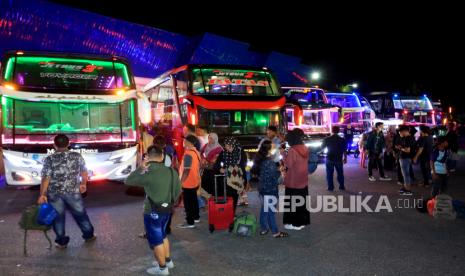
(20, 161)
(10, 87)
(314, 144)
(122, 157)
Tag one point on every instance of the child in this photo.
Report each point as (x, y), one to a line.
(268, 174)
(439, 167)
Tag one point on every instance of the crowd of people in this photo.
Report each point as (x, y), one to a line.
(399, 149)
(279, 161)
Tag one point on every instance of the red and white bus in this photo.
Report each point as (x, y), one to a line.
(228, 100)
(91, 99)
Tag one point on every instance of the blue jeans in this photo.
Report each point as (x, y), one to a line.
(330, 165)
(405, 166)
(155, 227)
(74, 203)
(267, 217)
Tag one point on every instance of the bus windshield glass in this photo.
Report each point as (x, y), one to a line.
(53, 73)
(313, 96)
(234, 82)
(224, 122)
(343, 100)
(28, 122)
(413, 103)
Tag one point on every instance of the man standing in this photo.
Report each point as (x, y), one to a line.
(162, 187)
(406, 147)
(272, 135)
(336, 157)
(64, 178)
(190, 179)
(374, 147)
(423, 155)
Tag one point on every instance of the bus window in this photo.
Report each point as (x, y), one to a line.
(181, 89)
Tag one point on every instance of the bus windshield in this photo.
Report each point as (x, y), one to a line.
(343, 100)
(413, 103)
(314, 96)
(53, 73)
(224, 122)
(28, 122)
(234, 82)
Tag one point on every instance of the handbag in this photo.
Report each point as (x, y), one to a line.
(164, 208)
(47, 214)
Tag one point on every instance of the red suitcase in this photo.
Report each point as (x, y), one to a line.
(220, 210)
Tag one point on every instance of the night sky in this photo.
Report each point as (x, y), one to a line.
(409, 49)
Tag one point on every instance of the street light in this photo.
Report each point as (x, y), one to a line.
(354, 85)
(316, 76)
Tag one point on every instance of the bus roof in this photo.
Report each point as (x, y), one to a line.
(9, 54)
(162, 78)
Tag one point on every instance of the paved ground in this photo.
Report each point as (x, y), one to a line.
(404, 242)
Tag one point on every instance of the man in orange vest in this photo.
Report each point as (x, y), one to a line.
(190, 179)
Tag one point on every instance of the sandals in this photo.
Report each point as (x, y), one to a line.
(281, 235)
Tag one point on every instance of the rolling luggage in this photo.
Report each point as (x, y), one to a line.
(220, 209)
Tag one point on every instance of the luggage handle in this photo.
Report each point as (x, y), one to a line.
(225, 196)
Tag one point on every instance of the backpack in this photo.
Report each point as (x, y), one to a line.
(245, 225)
(312, 162)
(443, 207)
(28, 221)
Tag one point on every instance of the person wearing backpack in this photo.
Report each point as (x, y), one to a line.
(62, 188)
(268, 174)
(439, 167)
(191, 180)
(336, 158)
(162, 188)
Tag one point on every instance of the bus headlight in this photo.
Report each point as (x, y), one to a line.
(314, 144)
(122, 157)
(20, 161)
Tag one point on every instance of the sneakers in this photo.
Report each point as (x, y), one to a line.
(197, 221)
(186, 226)
(405, 192)
(385, 178)
(292, 227)
(372, 178)
(169, 264)
(157, 271)
(60, 246)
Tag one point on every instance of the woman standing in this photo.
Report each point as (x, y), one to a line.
(268, 175)
(231, 162)
(296, 181)
(209, 154)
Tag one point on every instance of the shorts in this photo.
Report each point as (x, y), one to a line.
(155, 227)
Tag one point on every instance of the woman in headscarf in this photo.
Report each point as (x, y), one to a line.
(231, 162)
(209, 154)
(296, 180)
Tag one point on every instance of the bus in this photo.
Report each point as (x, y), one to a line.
(308, 109)
(395, 109)
(228, 100)
(91, 99)
(352, 111)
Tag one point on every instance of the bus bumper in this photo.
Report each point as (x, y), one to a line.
(25, 169)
